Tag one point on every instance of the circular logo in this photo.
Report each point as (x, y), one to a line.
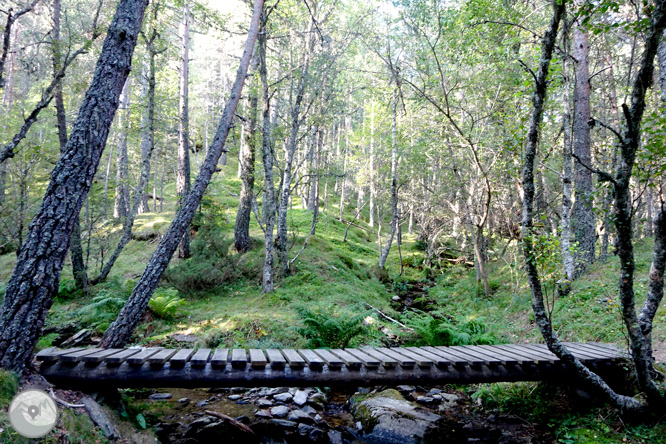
(33, 413)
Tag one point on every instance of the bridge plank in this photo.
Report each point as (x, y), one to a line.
(142, 356)
(331, 360)
(509, 358)
(276, 359)
(593, 348)
(387, 361)
(419, 359)
(403, 360)
(257, 358)
(466, 358)
(583, 353)
(220, 357)
(454, 360)
(161, 357)
(181, 357)
(200, 358)
(530, 354)
(540, 352)
(119, 358)
(435, 359)
(368, 360)
(54, 353)
(293, 358)
(313, 360)
(491, 356)
(238, 358)
(98, 357)
(76, 356)
(350, 360)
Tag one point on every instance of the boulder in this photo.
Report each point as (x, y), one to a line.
(387, 417)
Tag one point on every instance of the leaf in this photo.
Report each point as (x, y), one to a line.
(141, 420)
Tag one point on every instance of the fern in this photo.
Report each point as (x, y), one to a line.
(165, 303)
(330, 329)
(102, 310)
(442, 331)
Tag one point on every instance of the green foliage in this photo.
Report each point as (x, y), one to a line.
(443, 331)
(165, 303)
(68, 290)
(330, 328)
(102, 310)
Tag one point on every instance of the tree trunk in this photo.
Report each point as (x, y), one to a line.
(183, 176)
(371, 204)
(565, 221)
(242, 238)
(122, 198)
(35, 279)
(394, 180)
(268, 158)
(290, 149)
(121, 329)
(583, 207)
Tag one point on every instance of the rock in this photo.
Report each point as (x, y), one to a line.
(243, 419)
(284, 423)
(313, 433)
(278, 391)
(164, 429)
(202, 403)
(317, 400)
(263, 414)
(334, 437)
(80, 338)
(100, 418)
(434, 392)
(264, 402)
(237, 389)
(425, 400)
(448, 401)
(405, 388)
(234, 397)
(396, 299)
(387, 417)
(301, 397)
(283, 397)
(196, 426)
(280, 411)
(309, 410)
(184, 338)
(300, 416)
(158, 396)
(218, 390)
(184, 400)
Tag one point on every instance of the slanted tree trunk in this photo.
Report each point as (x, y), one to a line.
(122, 198)
(35, 279)
(7, 32)
(121, 329)
(583, 207)
(394, 180)
(183, 176)
(268, 158)
(242, 239)
(629, 143)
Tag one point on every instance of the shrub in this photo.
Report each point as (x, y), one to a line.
(330, 328)
(442, 331)
(165, 303)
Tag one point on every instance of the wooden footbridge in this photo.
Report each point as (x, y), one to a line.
(158, 367)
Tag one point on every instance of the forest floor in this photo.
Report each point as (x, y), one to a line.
(337, 281)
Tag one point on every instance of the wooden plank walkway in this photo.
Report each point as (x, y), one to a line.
(158, 367)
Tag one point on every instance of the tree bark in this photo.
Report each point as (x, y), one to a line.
(268, 158)
(583, 223)
(394, 179)
(35, 279)
(121, 329)
(565, 221)
(242, 239)
(122, 197)
(183, 176)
